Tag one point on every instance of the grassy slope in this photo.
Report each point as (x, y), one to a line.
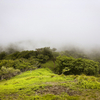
(42, 84)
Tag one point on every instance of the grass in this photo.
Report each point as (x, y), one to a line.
(43, 84)
(49, 64)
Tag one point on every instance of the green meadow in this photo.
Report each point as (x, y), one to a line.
(43, 84)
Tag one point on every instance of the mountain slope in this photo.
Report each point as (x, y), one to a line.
(43, 84)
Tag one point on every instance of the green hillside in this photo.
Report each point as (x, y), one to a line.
(45, 74)
(43, 84)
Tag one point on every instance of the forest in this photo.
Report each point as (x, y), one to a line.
(68, 62)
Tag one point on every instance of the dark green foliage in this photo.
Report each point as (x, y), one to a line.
(77, 66)
(2, 55)
(42, 58)
(88, 67)
(44, 54)
(23, 54)
(47, 51)
(28, 60)
(26, 54)
(64, 61)
(13, 56)
(25, 65)
(22, 64)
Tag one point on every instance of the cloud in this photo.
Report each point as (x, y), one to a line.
(50, 23)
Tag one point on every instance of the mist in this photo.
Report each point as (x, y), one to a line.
(27, 25)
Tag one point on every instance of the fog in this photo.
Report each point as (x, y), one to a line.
(63, 24)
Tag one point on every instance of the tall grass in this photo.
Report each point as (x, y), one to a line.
(88, 82)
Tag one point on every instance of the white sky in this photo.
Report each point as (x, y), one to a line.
(55, 23)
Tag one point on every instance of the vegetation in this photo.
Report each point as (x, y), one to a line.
(28, 60)
(6, 73)
(43, 84)
(77, 66)
(45, 74)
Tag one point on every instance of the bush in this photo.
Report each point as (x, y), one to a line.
(21, 64)
(64, 62)
(77, 66)
(6, 73)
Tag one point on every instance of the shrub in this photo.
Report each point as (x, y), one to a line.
(77, 66)
(7, 63)
(22, 64)
(6, 73)
(64, 62)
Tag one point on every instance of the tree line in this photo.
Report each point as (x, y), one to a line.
(66, 62)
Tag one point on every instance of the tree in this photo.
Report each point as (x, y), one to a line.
(2, 55)
(77, 66)
(64, 61)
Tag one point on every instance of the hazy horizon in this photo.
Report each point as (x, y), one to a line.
(31, 24)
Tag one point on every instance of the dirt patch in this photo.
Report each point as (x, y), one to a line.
(56, 90)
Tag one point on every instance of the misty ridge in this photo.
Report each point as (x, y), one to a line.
(23, 56)
(68, 26)
(68, 50)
